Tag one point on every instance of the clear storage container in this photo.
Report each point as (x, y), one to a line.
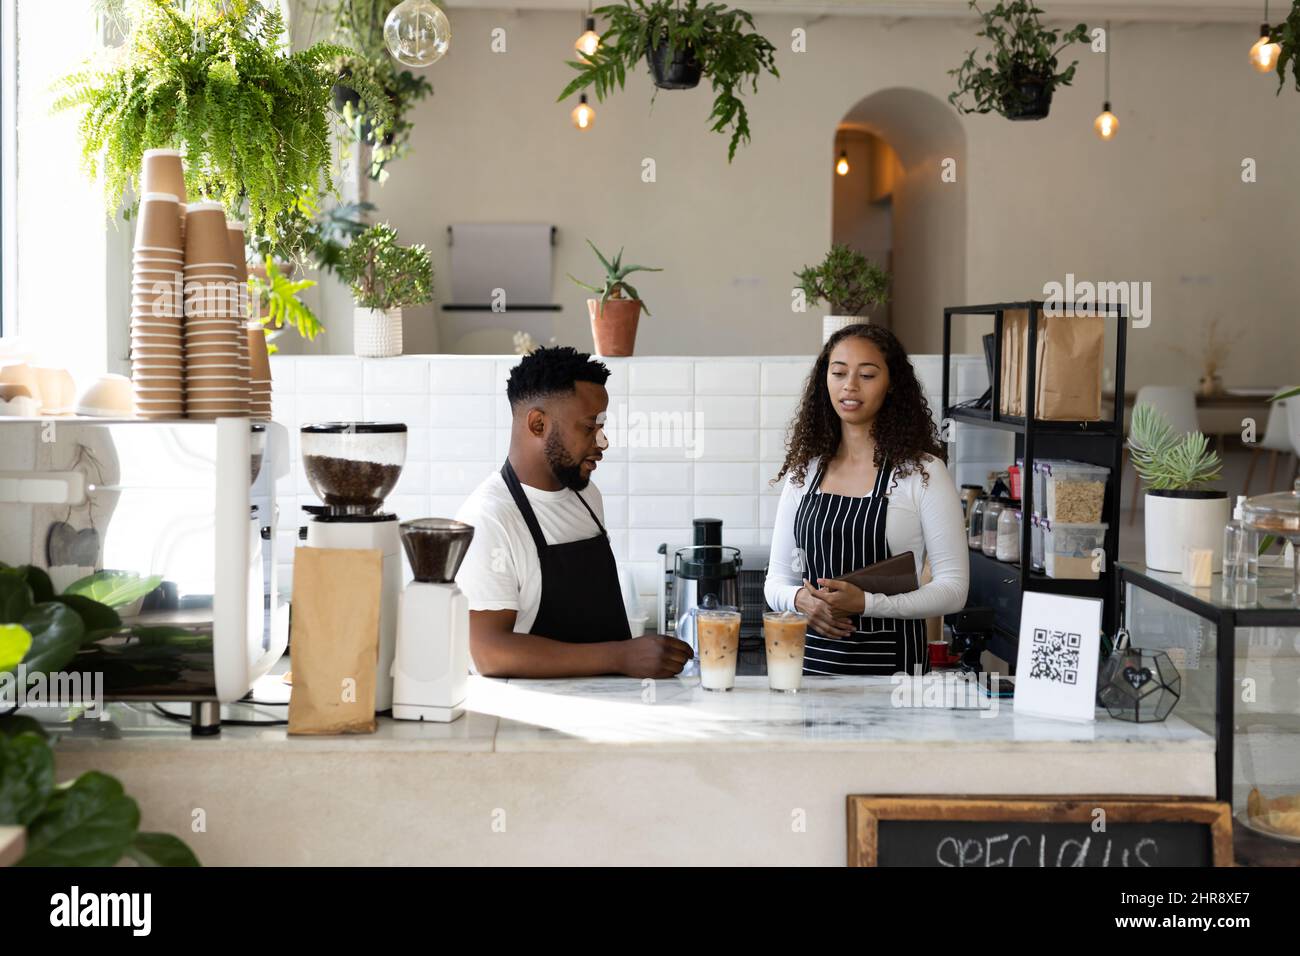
(1009, 536)
(1037, 526)
(974, 524)
(1042, 468)
(1075, 492)
(989, 526)
(1068, 550)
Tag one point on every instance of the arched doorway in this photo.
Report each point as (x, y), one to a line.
(903, 204)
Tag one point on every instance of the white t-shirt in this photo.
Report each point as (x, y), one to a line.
(923, 517)
(501, 570)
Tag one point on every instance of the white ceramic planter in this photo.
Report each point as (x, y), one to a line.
(833, 323)
(376, 333)
(1175, 523)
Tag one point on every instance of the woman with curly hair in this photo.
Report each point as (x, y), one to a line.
(863, 482)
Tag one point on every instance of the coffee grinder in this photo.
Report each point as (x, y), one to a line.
(431, 672)
(352, 467)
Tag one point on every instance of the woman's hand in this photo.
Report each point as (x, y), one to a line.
(824, 618)
(842, 596)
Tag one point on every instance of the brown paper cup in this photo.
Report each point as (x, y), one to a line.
(163, 172)
(159, 223)
(205, 233)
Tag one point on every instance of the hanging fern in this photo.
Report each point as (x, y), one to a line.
(216, 81)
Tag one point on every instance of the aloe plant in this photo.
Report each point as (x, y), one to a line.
(615, 274)
(1166, 461)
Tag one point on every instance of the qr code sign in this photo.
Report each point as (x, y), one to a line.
(1055, 656)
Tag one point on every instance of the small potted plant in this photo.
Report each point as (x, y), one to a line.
(1180, 511)
(614, 315)
(681, 42)
(1017, 77)
(848, 282)
(384, 277)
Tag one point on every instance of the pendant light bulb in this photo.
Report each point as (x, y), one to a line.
(417, 32)
(1264, 54)
(583, 115)
(842, 164)
(589, 42)
(1106, 124)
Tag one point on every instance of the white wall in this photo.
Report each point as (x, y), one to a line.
(1163, 202)
(653, 486)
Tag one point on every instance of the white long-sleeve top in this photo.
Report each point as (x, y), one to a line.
(925, 519)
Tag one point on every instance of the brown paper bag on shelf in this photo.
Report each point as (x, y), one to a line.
(1067, 372)
(334, 640)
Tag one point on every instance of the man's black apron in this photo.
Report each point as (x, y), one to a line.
(837, 535)
(582, 602)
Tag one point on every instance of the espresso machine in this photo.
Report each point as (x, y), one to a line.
(431, 672)
(352, 467)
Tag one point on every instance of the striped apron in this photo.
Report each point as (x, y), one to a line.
(837, 535)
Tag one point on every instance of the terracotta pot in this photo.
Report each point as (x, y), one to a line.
(613, 328)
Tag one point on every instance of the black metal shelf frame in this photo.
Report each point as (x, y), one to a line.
(1099, 442)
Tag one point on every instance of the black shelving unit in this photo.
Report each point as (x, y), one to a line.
(1000, 585)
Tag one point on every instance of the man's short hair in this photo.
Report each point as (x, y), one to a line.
(548, 371)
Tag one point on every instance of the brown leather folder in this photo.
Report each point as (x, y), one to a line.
(896, 575)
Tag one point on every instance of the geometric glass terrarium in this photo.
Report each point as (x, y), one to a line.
(1139, 685)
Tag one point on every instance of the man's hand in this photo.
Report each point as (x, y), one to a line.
(823, 616)
(653, 655)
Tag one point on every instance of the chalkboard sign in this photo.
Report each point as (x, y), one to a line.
(1047, 832)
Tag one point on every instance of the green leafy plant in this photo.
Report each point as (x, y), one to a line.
(1286, 393)
(1023, 60)
(278, 306)
(1287, 36)
(359, 25)
(846, 280)
(384, 274)
(722, 40)
(615, 274)
(213, 78)
(89, 821)
(1166, 461)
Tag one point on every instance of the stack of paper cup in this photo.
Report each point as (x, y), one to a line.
(214, 384)
(156, 309)
(163, 173)
(235, 232)
(259, 398)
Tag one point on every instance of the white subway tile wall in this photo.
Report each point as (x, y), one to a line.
(695, 437)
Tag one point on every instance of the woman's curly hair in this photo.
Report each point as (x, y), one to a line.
(903, 429)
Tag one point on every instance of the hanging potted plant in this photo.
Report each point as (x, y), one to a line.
(681, 42)
(216, 80)
(848, 282)
(1287, 36)
(383, 125)
(1180, 512)
(615, 314)
(1017, 77)
(385, 277)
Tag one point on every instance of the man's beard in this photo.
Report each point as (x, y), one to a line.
(566, 471)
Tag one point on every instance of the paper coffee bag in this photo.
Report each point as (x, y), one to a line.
(334, 640)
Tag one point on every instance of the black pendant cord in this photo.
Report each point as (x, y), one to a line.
(1106, 98)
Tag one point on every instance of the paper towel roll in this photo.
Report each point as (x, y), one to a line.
(513, 257)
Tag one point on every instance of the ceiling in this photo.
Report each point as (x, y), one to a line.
(1178, 11)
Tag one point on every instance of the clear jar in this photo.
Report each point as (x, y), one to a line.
(974, 524)
(989, 527)
(1008, 539)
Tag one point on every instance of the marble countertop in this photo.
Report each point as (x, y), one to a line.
(830, 714)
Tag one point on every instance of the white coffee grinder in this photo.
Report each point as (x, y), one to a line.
(352, 466)
(432, 669)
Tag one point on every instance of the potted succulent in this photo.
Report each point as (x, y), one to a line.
(216, 80)
(1018, 76)
(680, 42)
(614, 315)
(384, 277)
(1180, 511)
(848, 282)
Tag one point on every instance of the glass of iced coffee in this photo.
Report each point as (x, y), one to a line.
(717, 632)
(784, 633)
